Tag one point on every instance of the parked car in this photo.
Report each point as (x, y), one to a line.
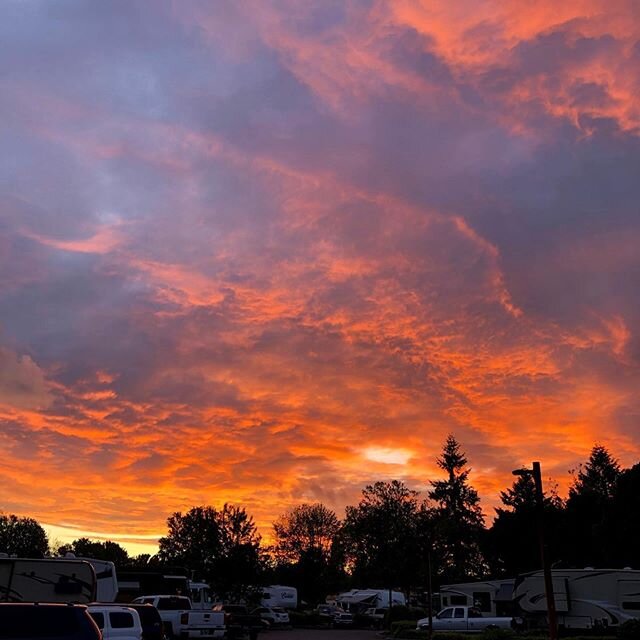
(326, 611)
(152, 627)
(33, 621)
(273, 615)
(116, 622)
(181, 621)
(342, 619)
(465, 620)
(151, 621)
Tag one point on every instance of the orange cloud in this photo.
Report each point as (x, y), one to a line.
(339, 239)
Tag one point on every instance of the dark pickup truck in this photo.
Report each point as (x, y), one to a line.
(239, 622)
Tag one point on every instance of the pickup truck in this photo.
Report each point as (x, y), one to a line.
(239, 622)
(465, 620)
(180, 620)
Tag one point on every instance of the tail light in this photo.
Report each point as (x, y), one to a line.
(184, 618)
(227, 618)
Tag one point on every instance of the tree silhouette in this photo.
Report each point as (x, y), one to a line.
(108, 550)
(458, 519)
(307, 529)
(511, 544)
(221, 546)
(623, 524)
(381, 535)
(22, 537)
(588, 509)
(193, 539)
(598, 477)
(307, 549)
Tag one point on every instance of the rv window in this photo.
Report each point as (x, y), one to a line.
(459, 613)
(459, 600)
(98, 617)
(630, 605)
(482, 600)
(120, 620)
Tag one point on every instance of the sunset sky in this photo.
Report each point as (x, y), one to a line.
(269, 252)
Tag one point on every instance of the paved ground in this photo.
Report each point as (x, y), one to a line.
(320, 634)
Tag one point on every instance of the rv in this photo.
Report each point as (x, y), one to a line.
(277, 595)
(47, 580)
(106, 580)
(492, 597)
(357, 600)
(132, 584)
(584, 598)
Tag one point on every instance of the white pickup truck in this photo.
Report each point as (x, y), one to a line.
(182, 621)
(465, 620)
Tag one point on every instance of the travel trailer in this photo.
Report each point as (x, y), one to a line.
(584, 598)
(277, 595)
(132, 584)
(492, 597)
(106, 579)
(357, 600)
(47, 580)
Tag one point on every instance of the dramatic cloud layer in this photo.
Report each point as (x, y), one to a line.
(268, 252)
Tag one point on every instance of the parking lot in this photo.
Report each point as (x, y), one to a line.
(321, 634)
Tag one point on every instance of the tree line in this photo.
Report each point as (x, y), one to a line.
(394, 537)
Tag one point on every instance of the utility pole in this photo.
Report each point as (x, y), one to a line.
(552, 617)
(430, 595)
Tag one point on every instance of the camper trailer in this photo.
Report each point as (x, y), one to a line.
(106, 580)
(584, 598)
(492, 597)
(277, 595)
(47, 580)
(132, 584)
(358, 600)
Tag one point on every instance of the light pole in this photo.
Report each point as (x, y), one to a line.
(536, 474)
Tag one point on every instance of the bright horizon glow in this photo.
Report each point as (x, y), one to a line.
(387, 455)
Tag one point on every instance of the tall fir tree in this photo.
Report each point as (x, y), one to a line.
(458, 518)
(598, 477)
(588, 511)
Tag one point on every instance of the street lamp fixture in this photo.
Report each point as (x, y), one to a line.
(536, 474)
